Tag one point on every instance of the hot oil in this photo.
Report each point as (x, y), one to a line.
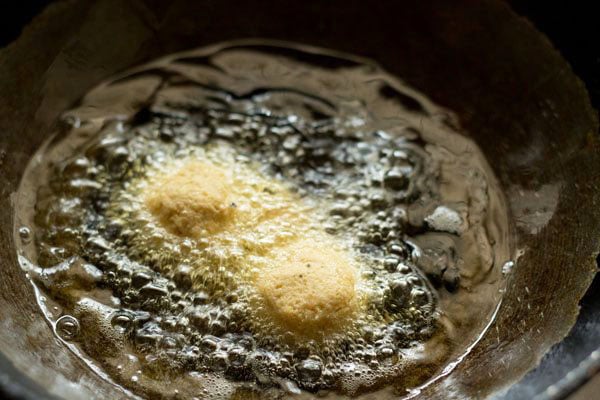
(316, 148)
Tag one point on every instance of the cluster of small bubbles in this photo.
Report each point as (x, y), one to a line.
(366, 180)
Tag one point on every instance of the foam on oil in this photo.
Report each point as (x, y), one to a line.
(183, 206)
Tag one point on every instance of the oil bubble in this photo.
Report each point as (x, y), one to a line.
(25, 234)
(122, 322)
(67, 328)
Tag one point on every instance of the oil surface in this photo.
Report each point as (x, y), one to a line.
(319, 146)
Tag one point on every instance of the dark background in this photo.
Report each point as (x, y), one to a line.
(572, 25)
(574, 28)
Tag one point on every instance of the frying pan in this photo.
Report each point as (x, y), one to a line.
(513, 93)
